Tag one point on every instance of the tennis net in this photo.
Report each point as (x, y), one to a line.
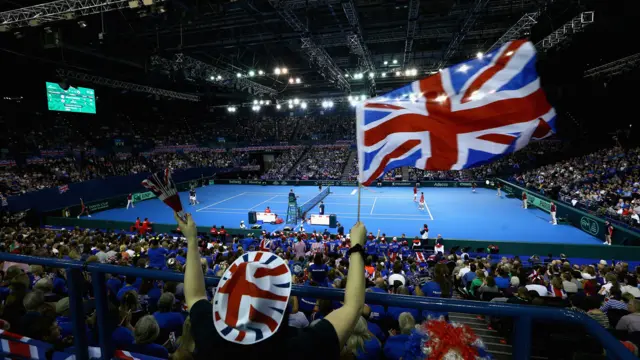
(304, 208)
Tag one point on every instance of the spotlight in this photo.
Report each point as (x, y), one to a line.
(285, 71)
(407, 72)
(238, 75)
(276, 71)
(291, 80)
(372, 75)
(479, 55)
(290, 106)
(297, 80)
(325, 104)
(397, 73)
(330, 103)
(255, 102)
(363, 97)
(278, 106)
(261, 102)
(386, 63)
(290, 102)
(211, 77)
(414, 72)
(252, 73)
(346, 75)
(219, 77)
(267, 102)
(303, 105)
(256, 108)
(384, 74)
(82, 24)
(231, 109)
(296, 101)
(395, 61)
(260, 72)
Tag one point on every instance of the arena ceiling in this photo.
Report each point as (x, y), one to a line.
(200, 47)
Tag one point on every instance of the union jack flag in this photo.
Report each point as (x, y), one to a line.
(420, 257)
(63, 189)
(265, 245)
(464, 116)
(251, 298)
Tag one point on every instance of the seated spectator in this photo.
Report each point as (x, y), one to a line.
(145, 333)
(614, 301)
(631, 322)
(44, 328)
(362, 344)
(488, 286)
(514, 284)
(394, 348)
(568, 285)
(168, 320)
(592, 305)
(631, 286)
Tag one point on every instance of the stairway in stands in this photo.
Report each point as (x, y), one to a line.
(494, 342)
(303, 156)
(347, 168)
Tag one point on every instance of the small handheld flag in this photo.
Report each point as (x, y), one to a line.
(463, 116)
(63, 188)
(164, 188)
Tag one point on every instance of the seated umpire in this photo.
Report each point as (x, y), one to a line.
(248, 318)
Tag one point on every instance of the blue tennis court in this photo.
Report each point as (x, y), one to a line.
(456, 213)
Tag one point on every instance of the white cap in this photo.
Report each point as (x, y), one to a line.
(603, 262)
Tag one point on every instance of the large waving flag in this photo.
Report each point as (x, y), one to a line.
(464, 116)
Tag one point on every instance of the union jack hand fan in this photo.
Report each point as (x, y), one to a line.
(164, 188)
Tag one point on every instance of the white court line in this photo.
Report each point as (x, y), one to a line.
(269, 199)
(332, 195)
(373, 206)
(354, 191)
(221, 201)
(427, 206)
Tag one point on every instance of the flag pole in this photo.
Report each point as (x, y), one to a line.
(359, 188)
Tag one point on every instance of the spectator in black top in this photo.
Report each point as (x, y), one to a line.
(321, 207)
(340, 229)
(326, 338)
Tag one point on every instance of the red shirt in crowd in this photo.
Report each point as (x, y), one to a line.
(524, 196)
(553, 207)
(214, 231)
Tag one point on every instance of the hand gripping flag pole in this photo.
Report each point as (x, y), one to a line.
(162, 185)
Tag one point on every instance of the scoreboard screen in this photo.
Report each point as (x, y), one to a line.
(320, 220)
(74, 99)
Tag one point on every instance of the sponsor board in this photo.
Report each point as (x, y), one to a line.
(465, 184)
(238, 182)
(143, 196)
(539, 203)
(98, 206)
(404, 183)
(508, 189)
(589, 225)
(441, 184)
(349, 183)
(212, 182)
(255, 182)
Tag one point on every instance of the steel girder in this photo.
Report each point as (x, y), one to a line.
(412, 24)
(69, 74)
(469, 21)
(525, 23)
(196, 69)
(58, 10)
(575, 25)
(615, 67)
(355, 40)
(316, 54)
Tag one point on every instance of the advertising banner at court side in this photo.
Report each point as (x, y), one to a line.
(143, 196)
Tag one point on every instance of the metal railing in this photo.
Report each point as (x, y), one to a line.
(523, 315)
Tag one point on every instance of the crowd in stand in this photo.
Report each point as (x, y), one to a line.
(327, 128)
(322, 163)
(283, 163)
(606, 181)
(146, 314)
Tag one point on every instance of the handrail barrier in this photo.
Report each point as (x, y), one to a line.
(523, 315)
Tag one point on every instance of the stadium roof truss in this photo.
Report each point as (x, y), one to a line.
(575, 25)
(615, 67)
(69, 74)
(315, 54)
(60, 10)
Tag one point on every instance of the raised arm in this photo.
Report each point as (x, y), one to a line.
(194, 289)
(345, 318)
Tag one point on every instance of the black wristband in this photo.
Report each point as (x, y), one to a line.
(356, 249)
